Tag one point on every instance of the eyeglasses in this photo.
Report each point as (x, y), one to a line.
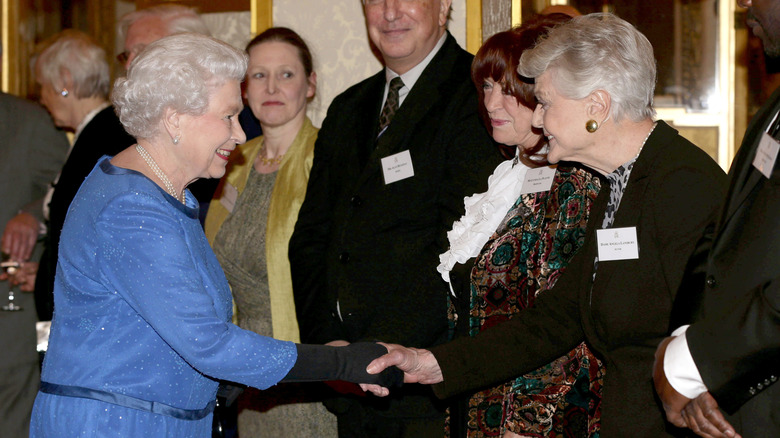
(124, 56)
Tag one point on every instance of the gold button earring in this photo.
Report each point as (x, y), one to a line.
(591, 126)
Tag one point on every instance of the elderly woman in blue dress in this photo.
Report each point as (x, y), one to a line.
(142, 325)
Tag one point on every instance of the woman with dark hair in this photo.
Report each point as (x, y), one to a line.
(251, 219)
(522, 245)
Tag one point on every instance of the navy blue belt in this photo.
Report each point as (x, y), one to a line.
(127, 401)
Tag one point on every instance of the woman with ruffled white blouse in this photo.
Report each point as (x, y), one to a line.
(512, 244)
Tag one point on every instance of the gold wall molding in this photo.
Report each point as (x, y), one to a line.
(11, 43)
(262, 15)
(473, 25)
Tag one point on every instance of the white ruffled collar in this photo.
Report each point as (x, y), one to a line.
(484, 213)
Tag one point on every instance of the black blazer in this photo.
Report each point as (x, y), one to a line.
(736, 341)
(673, 195)
(374, 247)
(103, 135)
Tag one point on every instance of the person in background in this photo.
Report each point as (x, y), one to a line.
(251, 219)
(32, 150)
(72, 72)
(569, 10)
(395, 157)
(140, 28)
(502, 261)
(142, 328)
(594, 82)
(727, 359)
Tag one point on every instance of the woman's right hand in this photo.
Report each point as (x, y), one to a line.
(418, 365)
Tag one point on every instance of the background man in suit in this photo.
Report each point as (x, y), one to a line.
(142, 27)
(31, 153)
(392, 165)
(729, 358)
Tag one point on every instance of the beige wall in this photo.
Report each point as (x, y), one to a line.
(336, 33)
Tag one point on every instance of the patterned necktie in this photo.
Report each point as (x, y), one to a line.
(391, 104)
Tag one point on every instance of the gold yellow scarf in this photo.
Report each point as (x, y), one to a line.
(286, 199)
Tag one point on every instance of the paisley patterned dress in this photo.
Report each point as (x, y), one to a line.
(525, 256)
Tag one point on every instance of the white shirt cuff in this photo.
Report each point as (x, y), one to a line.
(680, 369)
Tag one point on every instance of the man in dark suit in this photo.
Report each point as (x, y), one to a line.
(31, 153)
(729, 357)
(391, 169)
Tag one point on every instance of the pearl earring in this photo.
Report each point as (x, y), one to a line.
(591, 126)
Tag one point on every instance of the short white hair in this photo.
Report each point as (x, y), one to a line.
(598, 52)
(176, 18)
(177, 72)
(75, 52)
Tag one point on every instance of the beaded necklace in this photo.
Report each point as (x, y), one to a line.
(268, 161)
(157, 171)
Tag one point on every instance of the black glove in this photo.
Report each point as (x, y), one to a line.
(323, 362)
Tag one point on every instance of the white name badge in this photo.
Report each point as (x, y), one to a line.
(229, 197)
(766, 155)
(397, 167)
(617, 244)
(538, 180)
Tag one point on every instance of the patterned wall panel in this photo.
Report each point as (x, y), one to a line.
(496, 17)
(231, 27)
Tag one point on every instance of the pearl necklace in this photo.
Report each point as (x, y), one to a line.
(268, 161)
(157, 171)
(645, 140)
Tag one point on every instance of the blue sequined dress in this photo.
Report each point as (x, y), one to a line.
(142, 309)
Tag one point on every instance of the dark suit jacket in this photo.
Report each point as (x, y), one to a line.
(373, 247)
(32, 150)
(673, 195)
(103, 135)
(736, 341)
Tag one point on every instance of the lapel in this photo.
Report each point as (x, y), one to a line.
(629, 212)
(367, 118)
(744, 177)
(423, 96)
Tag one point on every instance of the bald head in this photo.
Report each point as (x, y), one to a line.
(571, 11)
(145, 26)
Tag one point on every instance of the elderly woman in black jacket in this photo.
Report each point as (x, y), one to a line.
(595, 78)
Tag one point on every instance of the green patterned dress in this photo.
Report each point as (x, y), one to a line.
(525, 256)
